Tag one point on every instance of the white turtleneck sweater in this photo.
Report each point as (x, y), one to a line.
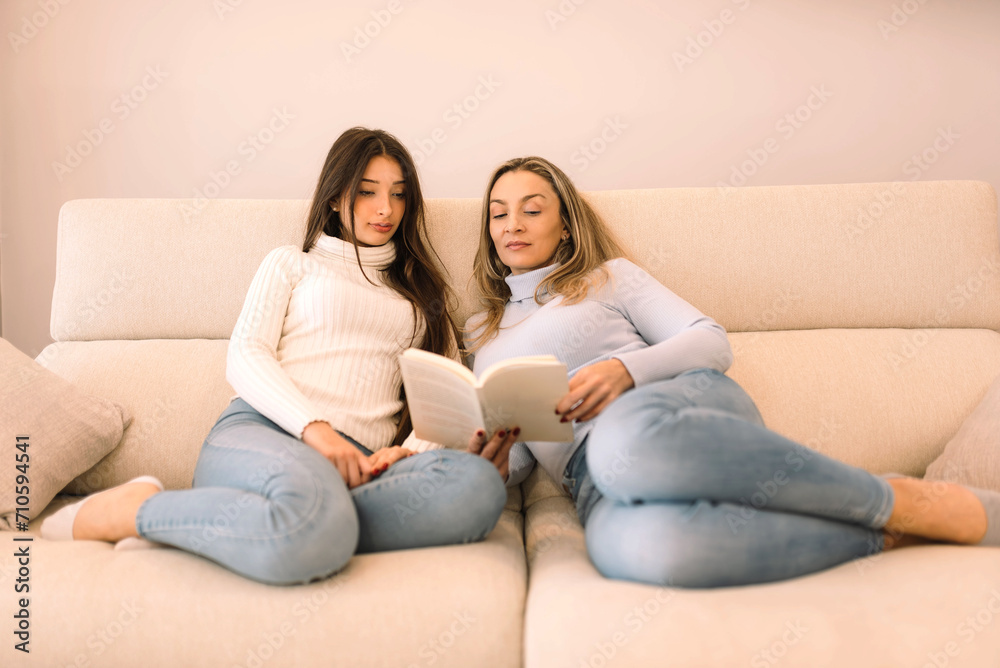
(317, 341)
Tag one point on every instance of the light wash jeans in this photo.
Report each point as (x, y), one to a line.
(269, 507)
(680, 484)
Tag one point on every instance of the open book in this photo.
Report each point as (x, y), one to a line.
(448, 403)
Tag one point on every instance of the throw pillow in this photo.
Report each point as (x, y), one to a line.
(50, 432)
(972, 456)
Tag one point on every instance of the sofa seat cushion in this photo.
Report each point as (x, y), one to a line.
(455, 606)
(901, 608)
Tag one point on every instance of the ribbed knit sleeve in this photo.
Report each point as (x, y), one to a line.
(680, 337)
(252, 366)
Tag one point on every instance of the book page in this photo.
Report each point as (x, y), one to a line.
(457, 368)
(525, 394)
(514, 362)
(443, 407)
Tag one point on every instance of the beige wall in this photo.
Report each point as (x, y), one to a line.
(164, 95)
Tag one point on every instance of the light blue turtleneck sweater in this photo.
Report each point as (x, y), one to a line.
(632, 318)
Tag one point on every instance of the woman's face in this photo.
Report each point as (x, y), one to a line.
(380, 203)
(524, 221)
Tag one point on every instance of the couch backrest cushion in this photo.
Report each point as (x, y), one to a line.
(904, 297)
(160, 268)
(920, 254)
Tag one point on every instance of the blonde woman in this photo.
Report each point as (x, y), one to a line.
(665, 445)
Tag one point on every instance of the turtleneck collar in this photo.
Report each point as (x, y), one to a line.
(523, 286)
(377, 257)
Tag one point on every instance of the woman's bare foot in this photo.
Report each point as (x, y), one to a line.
(936, 510)
(110, 515)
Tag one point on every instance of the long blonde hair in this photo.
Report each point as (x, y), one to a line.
(589, 246)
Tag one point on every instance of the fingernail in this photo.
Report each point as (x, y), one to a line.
(517, 430)
(480, 433)
(557, 411)
(502, 434)
(563, 419)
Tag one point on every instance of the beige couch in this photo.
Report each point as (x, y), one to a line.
(863, 318)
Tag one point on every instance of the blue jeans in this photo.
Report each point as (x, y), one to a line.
(269, 507)
(680, 484)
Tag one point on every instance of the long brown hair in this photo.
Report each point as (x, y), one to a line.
(590, 244)
(412, 273)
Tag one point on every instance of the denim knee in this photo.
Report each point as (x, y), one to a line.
(641, 413)
(612, 445)
(316, 528)
(480, 491)
(315, 553)
(621, 547)
(638, 440)
(615, 548)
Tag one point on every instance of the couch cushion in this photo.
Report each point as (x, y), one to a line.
(909, 607)
(50, 432)
(175, 391)
(150, 268)
(453, 606)
(758, 258)
(884, 400)
(795, 257)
